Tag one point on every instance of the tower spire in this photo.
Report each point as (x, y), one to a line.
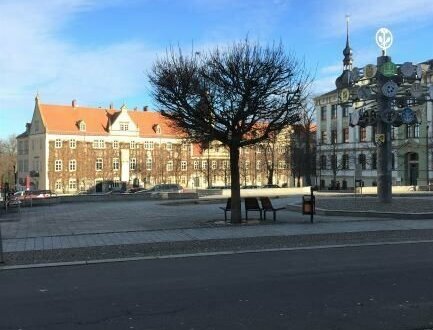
(347, 52)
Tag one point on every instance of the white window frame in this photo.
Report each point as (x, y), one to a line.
(97, 162)
(124, 126)
(169, 166)
(196, 164)
(72, 184)
(183, 165)
(132, 145)
(116, 164)
(58, 165)
(72, 144)
(72, 165)
(58, 143)
(133, 164)
(149, 164)
(115, 144)
(58, 185)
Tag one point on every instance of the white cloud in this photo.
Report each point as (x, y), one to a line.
(33, 58)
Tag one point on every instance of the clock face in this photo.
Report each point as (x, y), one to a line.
(370, 71)
(407, 116)
(389, 89)
(408, 69)
(344, 95)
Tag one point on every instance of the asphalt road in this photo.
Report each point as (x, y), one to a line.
(369, 287)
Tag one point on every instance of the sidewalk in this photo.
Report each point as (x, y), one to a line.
(44, 235)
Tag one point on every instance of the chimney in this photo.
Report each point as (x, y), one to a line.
(111, 106)
(74, 103)
(145, 108)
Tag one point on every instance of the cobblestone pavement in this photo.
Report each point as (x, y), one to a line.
(85, 231)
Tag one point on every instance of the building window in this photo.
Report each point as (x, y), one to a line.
(345, 135)
(148, 145)
(258, 165)
(214, 164)
(323, 113)
(374, 161)
(183, 165)
(170, 165)
(281, 164)
(115, 164)
(72, 184)
(345, 112)
(323, 137)
(58, 165)
(58, 143)
(133, 164)
(196, 164)
(169, 146)
(82, 126)
(362, 161)
(333, 162)
(98, 144)
(323, 162)
(115, 144)
(124, 126)
(345, 162)
(334, 111)
(58, 185)
(149, 164)
(132, 145)
(362, 134)
(72, 165)
(72, 143)
(412, 131)
(99, 164)
(334, 136)
(203, 164)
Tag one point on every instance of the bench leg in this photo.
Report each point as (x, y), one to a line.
(260, 215)
(275, 216)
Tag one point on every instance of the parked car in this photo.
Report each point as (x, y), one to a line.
(271, 186)
(250, 187)
(165, 187)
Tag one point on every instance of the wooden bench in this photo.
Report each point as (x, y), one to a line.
(226, 209)
(268, 207)
(252, 204)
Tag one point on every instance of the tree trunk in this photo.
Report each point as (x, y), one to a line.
(236, 216)
(271, 175)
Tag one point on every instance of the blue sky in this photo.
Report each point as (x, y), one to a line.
(99, 51)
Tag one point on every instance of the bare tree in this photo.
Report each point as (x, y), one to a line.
(8, 159)
(226, 94)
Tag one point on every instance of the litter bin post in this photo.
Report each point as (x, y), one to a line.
(309, 204)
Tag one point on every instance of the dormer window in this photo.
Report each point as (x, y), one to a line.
(157, 129)
(82, 126)
(124, 126)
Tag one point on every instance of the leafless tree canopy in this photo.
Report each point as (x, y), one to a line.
(240, 95)
(226, 94)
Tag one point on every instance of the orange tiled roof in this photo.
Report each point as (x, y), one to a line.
(63, 119)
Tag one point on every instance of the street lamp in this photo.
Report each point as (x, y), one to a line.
(383, 95)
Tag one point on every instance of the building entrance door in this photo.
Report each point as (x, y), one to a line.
(412, 169)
